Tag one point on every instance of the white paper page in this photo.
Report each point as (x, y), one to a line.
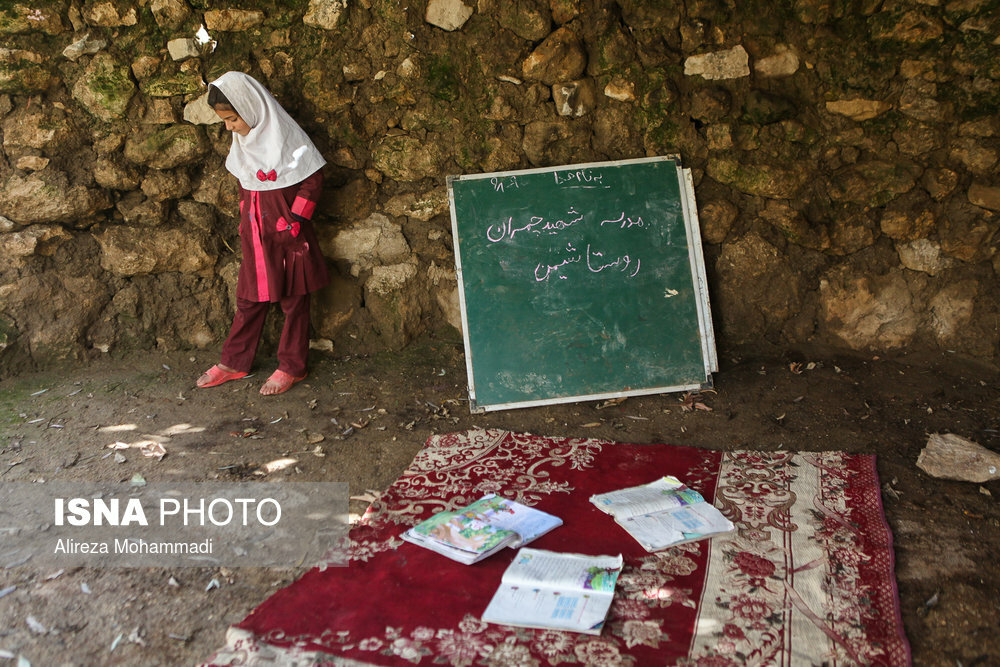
(529, 606)
(568, 572)
(661, 529)
(652, 497)
(526, 521)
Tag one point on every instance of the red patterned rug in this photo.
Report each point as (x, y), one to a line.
(806, 577)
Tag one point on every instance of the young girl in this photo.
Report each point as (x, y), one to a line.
(279, 170)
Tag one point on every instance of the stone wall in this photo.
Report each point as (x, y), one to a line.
(845, 157)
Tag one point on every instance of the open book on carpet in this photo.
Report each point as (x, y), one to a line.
(663, 513)
(559, 591)
(481, 529)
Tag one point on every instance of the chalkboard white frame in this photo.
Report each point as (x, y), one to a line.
(698, 276)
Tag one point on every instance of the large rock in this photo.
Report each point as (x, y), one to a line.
(21, 18)
(979, 157)
(914, 27)
(923, 255)
(528, 20)
(548, 143)
(757, 179)
(909, 218)
(985, 196)
(919, 100)
(32, 240)
(873, 183)
(43, 128)
(325, 14)
(561, 57)
(113, 173)
(396, 299)
(48, 196)
(141, 211)
(173, 83)
(716, 218)
(868, 312)
(23, 72)
(951, 456)
(105, 88)
(169, 14)
(129, 251)
(72, 304)
(404, 157)
(419, 207)
(966, 231)
(375, 241)
(106, 15)
(233, 20)
(757, 289)
(951, 311)
(169, 147)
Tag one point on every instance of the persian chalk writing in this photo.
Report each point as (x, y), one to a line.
(596, 261)
(601, 261)
(503, 184)
(595, 258)
(580, 178)
(536, 225)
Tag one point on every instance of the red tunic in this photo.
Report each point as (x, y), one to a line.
(281, 256)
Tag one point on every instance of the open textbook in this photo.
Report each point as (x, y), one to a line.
(663, 513)
(559, 591)
(474, 532)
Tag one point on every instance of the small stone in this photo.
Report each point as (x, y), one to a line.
(83, 47)
(985, 196)
(198, 112)
(233, 20)
(32, 163)
(621, 90)
(783, 63)
(733, 63)
(951, 456)
(182, 49)
(448, 15)
(325, 14)
(858, 109)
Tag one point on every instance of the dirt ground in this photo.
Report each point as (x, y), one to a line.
(947, 533)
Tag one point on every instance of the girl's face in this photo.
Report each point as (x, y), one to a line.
(233, 121)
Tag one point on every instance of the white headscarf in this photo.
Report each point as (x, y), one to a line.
(275, 142)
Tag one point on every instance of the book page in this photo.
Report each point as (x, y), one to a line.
(662, 529)
(505, 514)
(533, 607)
(544, 589)
(664, 494)
(463, 530)
(534, 567)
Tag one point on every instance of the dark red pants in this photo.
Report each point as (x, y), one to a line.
(293, 349)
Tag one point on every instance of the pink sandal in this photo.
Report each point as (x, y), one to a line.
(216, 375)
(282, 380)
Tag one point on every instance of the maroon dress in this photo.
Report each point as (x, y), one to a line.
(282, 263)
(281, 256)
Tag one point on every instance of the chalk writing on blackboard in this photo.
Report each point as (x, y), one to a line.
(501, 184)
(625, 222)
(581, 178)
(595, 261)
(602, 261)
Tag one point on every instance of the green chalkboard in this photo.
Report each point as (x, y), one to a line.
(580, 282)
